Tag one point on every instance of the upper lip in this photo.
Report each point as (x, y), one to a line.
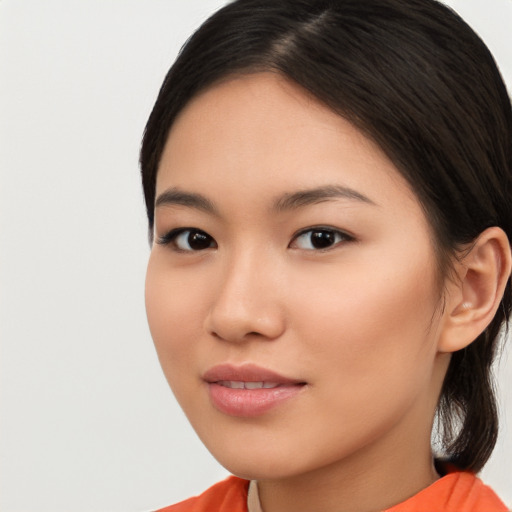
(246, 373)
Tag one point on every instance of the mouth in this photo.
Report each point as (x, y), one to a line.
(249, 390)
(239, 384)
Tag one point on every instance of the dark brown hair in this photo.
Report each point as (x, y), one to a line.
(414, 77)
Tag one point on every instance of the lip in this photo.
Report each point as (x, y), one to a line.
(241, 402)
(247, 373)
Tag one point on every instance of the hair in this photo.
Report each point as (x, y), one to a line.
(415, 78)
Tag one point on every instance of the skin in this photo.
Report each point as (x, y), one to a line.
(360, 321)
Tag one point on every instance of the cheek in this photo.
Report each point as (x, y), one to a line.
(370, 348)
(372, 320)
(173, 309)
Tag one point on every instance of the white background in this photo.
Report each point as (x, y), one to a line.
(87, 422)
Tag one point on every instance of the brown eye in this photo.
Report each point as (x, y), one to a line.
(319, 238)
(197, 240)
(188, 240)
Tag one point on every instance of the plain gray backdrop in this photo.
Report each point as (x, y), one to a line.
(87, 423)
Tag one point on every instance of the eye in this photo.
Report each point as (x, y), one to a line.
(188, 240)
(319, 238)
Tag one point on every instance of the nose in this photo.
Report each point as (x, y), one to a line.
(246, 302)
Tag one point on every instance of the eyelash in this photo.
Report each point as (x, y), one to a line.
(342, 236)
(172, 236)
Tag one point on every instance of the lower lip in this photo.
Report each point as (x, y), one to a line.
(250, 402)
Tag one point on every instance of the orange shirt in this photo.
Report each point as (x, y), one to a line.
(458, 491)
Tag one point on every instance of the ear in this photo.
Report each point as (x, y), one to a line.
(474, 295)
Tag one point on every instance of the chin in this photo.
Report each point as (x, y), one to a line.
(253, 470)
(258, 463)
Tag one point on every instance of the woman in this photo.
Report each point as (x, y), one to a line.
(328, 191)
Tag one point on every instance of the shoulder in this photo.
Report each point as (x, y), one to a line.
(458, 491)
(229, 495)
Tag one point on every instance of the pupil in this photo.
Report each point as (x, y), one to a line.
(322, 239)
(198, 241)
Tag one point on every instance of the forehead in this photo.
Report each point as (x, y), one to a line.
(263, 133)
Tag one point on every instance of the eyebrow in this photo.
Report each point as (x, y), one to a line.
(285, 202)
(308, 197)
(175, 196)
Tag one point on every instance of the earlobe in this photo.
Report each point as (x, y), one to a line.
(474, 296)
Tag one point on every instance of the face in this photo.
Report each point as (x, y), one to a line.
(291, 291)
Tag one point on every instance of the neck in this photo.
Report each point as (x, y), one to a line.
(369, 484)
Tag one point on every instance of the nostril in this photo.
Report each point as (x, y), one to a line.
(246, 335)
(235, 321)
